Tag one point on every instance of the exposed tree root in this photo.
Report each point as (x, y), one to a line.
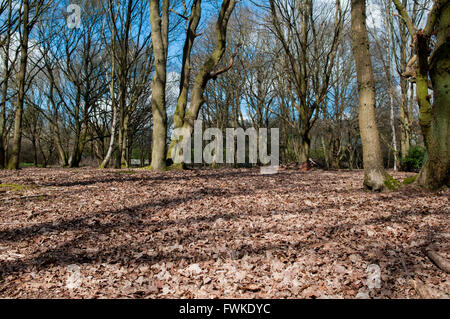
(427, 292)
(423, 290)
(438, 260)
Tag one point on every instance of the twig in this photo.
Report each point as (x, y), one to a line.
(179, 14)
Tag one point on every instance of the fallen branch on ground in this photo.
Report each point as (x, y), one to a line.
(438, 260)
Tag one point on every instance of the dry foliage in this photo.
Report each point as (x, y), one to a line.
(216, 234)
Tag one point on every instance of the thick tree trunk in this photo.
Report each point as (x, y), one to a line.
(434, 119)
(159, 24)
(374, 173)
(305, 147)
(78, 147)
(436, 171)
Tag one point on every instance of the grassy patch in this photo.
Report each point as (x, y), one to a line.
(30, 165)
(13, 187)
(409, 180)
(27, 164)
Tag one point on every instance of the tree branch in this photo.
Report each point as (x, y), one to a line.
(214, 75)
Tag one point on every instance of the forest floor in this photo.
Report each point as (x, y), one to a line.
(229, 233)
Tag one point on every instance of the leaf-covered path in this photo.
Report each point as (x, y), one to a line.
(215, 234)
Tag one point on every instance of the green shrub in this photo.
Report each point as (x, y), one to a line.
(391, 183)
(414, 160)
(317, 154)
(27, 164)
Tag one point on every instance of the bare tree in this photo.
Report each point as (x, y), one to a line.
(431, 63)
(8, 28)
(310, 45)
(205, 73)
(30, 12)
(374, 173)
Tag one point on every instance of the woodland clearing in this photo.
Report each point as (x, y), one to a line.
(226, 233)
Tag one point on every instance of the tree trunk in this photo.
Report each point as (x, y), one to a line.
(57, 138)
(205, 74)
(194, 20)
(124, 144)
(374, 173)
(405, 128)
(55, 126)
(6, 76)
(390, 87)
(14, 161)
(305, 147)
(107, 158)
(35, 151)
(436, 171)
(434, 119)
(78, 147)
(325, 152)
(160, 32)
(3, 125)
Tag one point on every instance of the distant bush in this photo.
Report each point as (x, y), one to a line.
(27, 164)
(414, 160)
(317, 154)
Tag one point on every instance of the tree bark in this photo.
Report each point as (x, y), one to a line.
(191, 31)
(159, 20)
(14, 161)
(6, 75)
(434, 119)
(107, 158)
(390, 87)
(436, 171)
(405, 115)
(374, 173)
(206, 73)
